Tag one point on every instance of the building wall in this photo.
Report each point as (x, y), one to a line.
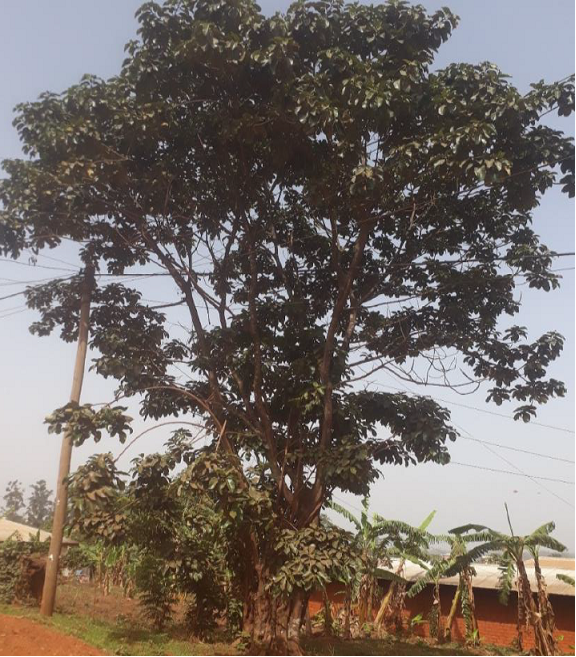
(496, 622)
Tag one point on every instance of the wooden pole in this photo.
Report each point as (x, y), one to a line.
(49, 591)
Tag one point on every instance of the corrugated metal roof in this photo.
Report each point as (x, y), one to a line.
(487, 576)
(18, 531)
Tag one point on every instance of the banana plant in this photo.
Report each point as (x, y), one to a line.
(511, 563)
(406, 543)
(566, 579)
(369, 539)
(378, 540)
(459, 564)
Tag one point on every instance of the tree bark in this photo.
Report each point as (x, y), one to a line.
(472, 629)
(545, 608)
(384, 606)
(437, 612)
(328, 626)
(528, 614)
(363, 600)
(273, 623)
(391, 597)
(347, 611)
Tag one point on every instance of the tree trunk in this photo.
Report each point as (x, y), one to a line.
(347, 610)
(545, 608)
(472, 629)
(363, 596)
(452, 614)
(392, 597)
(384, 606)
(436, 614)
(307, 622)
(328, 625)
(396, 609)
(528, 614)
(371, 593)
(273, 623)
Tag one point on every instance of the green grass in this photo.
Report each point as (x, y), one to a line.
(128, 638)
(119, 639)
(388, 646)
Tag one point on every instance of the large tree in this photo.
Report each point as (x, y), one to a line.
(14, 501)
(39, 509)
(327, 207)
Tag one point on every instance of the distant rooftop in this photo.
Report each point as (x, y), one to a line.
(560, 563)
(487, 575)
(20, 532)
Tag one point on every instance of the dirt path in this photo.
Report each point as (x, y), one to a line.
(21, 636)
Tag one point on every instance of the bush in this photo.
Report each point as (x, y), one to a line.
(13, 555)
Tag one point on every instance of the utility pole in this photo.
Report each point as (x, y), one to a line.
(49, 591)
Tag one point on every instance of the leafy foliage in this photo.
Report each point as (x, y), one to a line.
(539, 614)
(331, 203)
(85, 423)
(314, 557)
(13, 553)
(189, 529)
(566, 579)
(39, 508)
(401, 150)
(14, 502)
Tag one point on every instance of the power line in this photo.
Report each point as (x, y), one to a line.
(14, 312)
(516, 474)
(517, 449)
(29, 264)
(15, 294)
(135, 275)
(532, 478)
(128, 278)
(535, 256)
(351, 506)
(128, 274)
(62, 262)
(473, 408)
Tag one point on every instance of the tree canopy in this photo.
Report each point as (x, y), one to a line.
(327, 207)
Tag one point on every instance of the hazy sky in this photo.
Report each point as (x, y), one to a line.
(49, 45)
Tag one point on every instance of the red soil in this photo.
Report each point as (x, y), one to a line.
(21, 636)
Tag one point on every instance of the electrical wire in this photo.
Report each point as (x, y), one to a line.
(517, 449)
(474, 408)
(516, 474)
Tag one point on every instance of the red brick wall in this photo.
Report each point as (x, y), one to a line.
(496, 622)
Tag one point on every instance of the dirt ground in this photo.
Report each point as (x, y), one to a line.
(20, 636)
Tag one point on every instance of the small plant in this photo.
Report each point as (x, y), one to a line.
(415, 621)
(473, 638)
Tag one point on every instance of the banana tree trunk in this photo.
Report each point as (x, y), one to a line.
(436, 613)
(528, 615)
(328, 625)
(363, 600)
(347, 609)
(371, 591)
(390, 594)
(452, 614)
(469, 607)
(384, 605)
(545, 608)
